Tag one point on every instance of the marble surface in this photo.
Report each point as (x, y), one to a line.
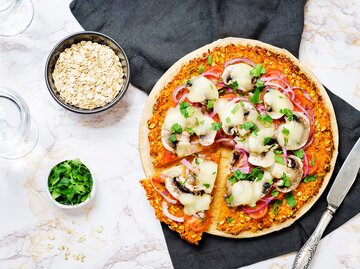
(118, 228)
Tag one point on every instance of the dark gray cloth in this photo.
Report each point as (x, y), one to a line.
(155, 34)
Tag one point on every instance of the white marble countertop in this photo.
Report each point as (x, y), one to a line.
(118, 229)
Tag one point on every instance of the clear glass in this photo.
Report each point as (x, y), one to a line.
(18, 130)
(15, 16)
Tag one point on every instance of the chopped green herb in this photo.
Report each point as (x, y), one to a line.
(285, 180)
(229, 199)
(285, 131)
(259, 84)
(173, 138)
(279, 159)
(288, 113)
(255, 98)
(229, 220)
(235, 109)
(256, 174)
(234, 86)
(265, 119)
(197, 161)
(299, 153)
(216, 126)
(228, 120)
(176, 128)
(249, 125)
(70, 182)
(267, 140)
(206, 185)
(213, 173)
(309, 178)
(258, 70)
(210, 60)
(312, 162)
(186, 110)
(201, 69)
(190, 130)
(274, 193)
(278, 151)
(290, 199)
(210, 104)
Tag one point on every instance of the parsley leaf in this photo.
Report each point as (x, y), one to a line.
(285, 181)
(216, 126)
(206, 185)
(309, 178)
(176, 129)
(265, 118)
(259, 84)
(210, 104)
(70, 182)
(255, 98)
(274, 193)
(250, 125)
(299, 153)
(210, 60)
(229, 199)
(257, 70)
(190, 130)
(201, 69)
(228, 120)
(285, 131)
(186, 110)
(279, 159)
(290, 199)
(267, 140)
(235, 109)
(256, 174)
(229, 220)
(312, 162)
(197, 161)
(173, 138)
(288, 113)
(234, 86)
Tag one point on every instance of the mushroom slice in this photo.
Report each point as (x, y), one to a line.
(195, 203)
(204, 130)
(239, 73)
(257, 141)
(265, 159)
(289, 174)
(201, 89)
(231, 114)
(294, 133)
(274, 101)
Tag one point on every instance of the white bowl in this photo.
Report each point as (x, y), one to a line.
(92, 194)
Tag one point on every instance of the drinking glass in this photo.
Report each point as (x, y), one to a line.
(15, 16)
(18, 130)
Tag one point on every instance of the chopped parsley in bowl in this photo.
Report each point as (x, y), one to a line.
(70, 184)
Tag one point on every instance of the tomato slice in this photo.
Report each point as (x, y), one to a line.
(214, 72)
(197, 224)
(276, 73)
(158, 179)
(229, 96)
(168, 156)
(312, 169)
(260, 213)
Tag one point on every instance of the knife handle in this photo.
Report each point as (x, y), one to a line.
(304, 256)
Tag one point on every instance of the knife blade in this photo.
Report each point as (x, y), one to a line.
(343, 182)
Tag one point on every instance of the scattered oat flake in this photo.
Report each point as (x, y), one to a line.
(68, 231)
(81, 239)
(61, 247)
(88, 75)
(50, 246)
(51, 236)
(52, 223)
(100, 229)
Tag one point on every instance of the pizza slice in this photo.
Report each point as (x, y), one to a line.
(181, 195)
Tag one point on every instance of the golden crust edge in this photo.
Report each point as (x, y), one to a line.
(144, 145)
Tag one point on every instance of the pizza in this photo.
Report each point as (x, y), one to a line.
(237, 139)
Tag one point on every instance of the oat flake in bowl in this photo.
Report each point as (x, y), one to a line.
(88, 75)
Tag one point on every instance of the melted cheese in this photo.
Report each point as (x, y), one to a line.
(206, 176)
(292, 138)
(239, 73)
(256, 142)
(193, 204)
(175, 171)
(202, 89)
(276, 100)
(265, 161)
(247, 192)
(174, 116)
(230, 113)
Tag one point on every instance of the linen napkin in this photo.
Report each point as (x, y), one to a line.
(155, 34)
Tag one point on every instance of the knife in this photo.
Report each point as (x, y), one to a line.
(337, 193)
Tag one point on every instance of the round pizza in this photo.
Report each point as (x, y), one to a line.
(237, 139)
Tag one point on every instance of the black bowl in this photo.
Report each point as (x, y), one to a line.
(74, 39)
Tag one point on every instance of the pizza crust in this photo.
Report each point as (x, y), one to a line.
(144, 145)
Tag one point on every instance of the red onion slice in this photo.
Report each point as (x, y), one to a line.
(307, 96)
(266, 200)
(171, 201)
(261, 109)
(188, 165)
(285, 155)
(220, 85)
(177, 90)
(239, 60)
(170, 216)
(182, 98)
